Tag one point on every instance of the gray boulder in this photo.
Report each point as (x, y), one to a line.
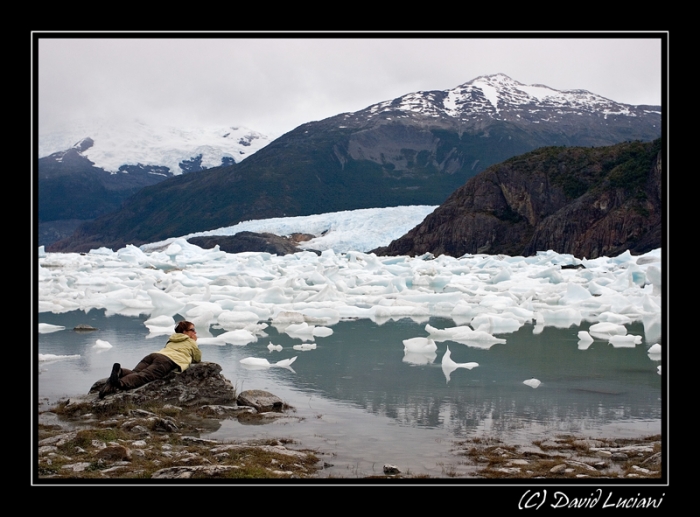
(201, 384)
(262, 401)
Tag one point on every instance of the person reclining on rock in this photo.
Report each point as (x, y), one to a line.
(180, 351)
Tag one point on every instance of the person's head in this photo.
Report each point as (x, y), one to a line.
(186, 328)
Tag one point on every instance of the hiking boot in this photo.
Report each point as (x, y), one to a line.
(112, 384)
(107, 389)
(114, 376)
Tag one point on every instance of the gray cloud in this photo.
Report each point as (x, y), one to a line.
(273, 84)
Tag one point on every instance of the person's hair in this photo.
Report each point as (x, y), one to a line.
(183, 326)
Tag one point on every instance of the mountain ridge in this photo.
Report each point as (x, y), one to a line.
(587, 202)
(388, 154)
(95, 174)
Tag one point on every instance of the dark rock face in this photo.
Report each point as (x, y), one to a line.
(249, 241)
(201, 383)
(587, 202)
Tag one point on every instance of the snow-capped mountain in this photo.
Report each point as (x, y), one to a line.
(413, 150)
(498, 97)
(180, 149)
(88, 169)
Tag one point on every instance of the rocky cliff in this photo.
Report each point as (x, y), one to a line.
(585, 201)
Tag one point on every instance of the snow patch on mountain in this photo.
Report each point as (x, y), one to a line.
(148, 144)
(492, 94)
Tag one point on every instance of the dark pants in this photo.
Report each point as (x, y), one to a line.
(153, 366)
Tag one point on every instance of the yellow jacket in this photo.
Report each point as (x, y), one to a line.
(183, 350)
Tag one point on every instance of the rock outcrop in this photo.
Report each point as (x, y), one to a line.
(588, 202)
(261, 400)
(201, 384)
(251, 241)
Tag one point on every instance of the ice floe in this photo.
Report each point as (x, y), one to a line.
(533, 383)
(232, 298)
(448, 365)
(261, 363)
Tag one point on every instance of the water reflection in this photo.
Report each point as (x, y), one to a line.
(364, 365)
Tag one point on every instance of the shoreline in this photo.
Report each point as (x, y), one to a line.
(81, 440)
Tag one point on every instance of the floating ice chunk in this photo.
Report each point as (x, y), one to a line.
(584, 340)
(160, 326)
(653, 274)
(654, 352)
(623, 281)
(102, 344)
(238, 337)
(272, 347)
(522, 314)
(322, 331)
(419, 350)
(650, 305)
(419, 358)
(495, 324)
(584, 336)
(305, 346)
(561, 318)
(328, 294)
(324, 316)
(658, 369)
(652, 326)
(204, 309)
(611, 317)
(274, 295)
(604, 330)
(258, 363)
(132, 255)
(287, 317)
(164, 304)
(232, 320)
(503, 275)
(399, 311)
(46, 328)
(463, 334)
(464, 312)
(654, 349)
(575, 294)
(419, 345)
(552, 274)
(448, 365)
(623, 258)
(257, 329)
(52, 357)
(173, 250)
(650, 257)
(533, 383)
(625, 341)
(306, 332)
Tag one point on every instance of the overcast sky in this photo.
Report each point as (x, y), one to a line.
(273, 84)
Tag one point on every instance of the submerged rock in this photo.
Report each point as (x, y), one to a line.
(261, 400)
(83, 328)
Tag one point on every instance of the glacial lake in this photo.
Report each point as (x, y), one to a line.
(362, 403)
